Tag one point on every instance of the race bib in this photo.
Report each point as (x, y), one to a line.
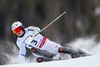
(30, 41)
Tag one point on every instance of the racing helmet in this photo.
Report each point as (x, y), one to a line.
(17, 27)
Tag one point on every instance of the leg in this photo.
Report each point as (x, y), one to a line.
(43, 53)
(72, 52)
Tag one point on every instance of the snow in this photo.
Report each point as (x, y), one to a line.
(89, 61)
(88, 45)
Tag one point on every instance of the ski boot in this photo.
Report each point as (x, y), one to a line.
(80, 53)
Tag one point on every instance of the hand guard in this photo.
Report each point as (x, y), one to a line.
(29, 39)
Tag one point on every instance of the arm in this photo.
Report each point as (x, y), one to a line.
(22, 53)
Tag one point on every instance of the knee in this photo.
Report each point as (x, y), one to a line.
(33, 50)
(60, 50)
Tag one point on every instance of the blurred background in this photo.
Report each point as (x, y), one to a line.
(81, 20)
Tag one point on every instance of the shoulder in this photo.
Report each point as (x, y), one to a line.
(32, 28)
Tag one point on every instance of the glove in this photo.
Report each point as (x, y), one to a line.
(22, 59)
(29, 39)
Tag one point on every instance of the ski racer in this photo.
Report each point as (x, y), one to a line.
(41, 47)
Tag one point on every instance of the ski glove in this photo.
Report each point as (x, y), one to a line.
(22, 59)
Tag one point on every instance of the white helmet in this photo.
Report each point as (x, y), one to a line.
(16, 24)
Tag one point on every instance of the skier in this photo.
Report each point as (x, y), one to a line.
(40, 46)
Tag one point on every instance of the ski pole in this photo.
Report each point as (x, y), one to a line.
(47, 25)
(52, 22)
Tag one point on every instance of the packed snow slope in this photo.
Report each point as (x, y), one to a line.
(88, 44)
(89, 61)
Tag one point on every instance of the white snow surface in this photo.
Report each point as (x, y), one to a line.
(89, 61)
(88, 45)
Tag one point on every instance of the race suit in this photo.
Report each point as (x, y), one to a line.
(38, 41)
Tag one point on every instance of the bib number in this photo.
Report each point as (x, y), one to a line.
(30, 40)
(34, 42)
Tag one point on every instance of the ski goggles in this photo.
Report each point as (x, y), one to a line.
(18, 29)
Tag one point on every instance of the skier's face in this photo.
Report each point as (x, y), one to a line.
(18, 31)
